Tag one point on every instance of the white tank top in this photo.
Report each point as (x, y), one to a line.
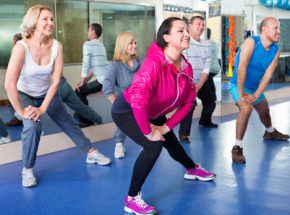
(34, 80)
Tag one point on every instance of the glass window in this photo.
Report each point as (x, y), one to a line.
(72, 24)
(72, 19)
(11, 15)
(116, 18)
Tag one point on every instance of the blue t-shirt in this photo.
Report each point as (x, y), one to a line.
(258, 64)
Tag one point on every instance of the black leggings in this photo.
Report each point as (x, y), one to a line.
(151, 150)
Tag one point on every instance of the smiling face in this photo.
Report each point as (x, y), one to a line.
(196, 28)
(272, 30)
(45, 23)
(178, 36)
(132, 47)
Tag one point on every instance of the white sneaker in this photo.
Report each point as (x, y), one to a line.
(5, 140)
(98, 158)
(119, 150)
(28, 179)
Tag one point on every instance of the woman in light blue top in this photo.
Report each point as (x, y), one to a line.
(120, 75)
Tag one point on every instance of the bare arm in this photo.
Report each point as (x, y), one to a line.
(245, 56)
(90, 75)
(12, 75)
(83, 81)
(13, 72)
(267, 76)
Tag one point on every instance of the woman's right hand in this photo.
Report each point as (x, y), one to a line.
(31, 112)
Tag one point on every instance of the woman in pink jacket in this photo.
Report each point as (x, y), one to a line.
(163, 84)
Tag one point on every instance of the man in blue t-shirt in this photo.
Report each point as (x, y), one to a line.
(254, 65)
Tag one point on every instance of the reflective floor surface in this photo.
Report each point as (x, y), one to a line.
(67, 185)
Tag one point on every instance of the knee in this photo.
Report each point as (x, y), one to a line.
(153, 149)
(31, 126)
(246, 109)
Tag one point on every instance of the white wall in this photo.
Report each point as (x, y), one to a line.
(183, 3)
(232, 7)
(256, 12)
(199, 5)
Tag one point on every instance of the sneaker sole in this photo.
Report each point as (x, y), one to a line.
(119, 157)
(191, 177)
(28, 185)
(130, 211)
(99, 163)
(267, 138)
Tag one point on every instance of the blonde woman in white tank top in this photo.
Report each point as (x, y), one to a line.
(33, 75)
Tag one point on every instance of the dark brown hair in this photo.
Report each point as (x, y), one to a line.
(165, 28)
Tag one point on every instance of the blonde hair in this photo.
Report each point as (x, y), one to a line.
(122, 42)
(30, 19)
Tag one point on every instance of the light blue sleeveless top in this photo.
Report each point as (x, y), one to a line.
(258, 64)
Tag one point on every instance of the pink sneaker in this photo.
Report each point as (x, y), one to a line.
(199, 173)
(138, 206)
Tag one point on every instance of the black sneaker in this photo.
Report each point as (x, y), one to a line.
(208, 125)
(85, 124)
(237, 155)
(184, 139)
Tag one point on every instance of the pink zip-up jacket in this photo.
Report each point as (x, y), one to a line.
(158, 88)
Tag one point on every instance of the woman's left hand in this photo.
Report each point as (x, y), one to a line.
(163, 129)
(34, 112)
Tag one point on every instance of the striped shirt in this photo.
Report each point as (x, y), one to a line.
(215, 66)
(94, 59)
(199, 56)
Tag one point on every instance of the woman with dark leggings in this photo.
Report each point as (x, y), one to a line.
(163, 84)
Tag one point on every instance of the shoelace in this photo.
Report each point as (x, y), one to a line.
(97, 155)
(28, 176)
(239, 151)
(101, 156)
(201, 168)
(140, 202)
